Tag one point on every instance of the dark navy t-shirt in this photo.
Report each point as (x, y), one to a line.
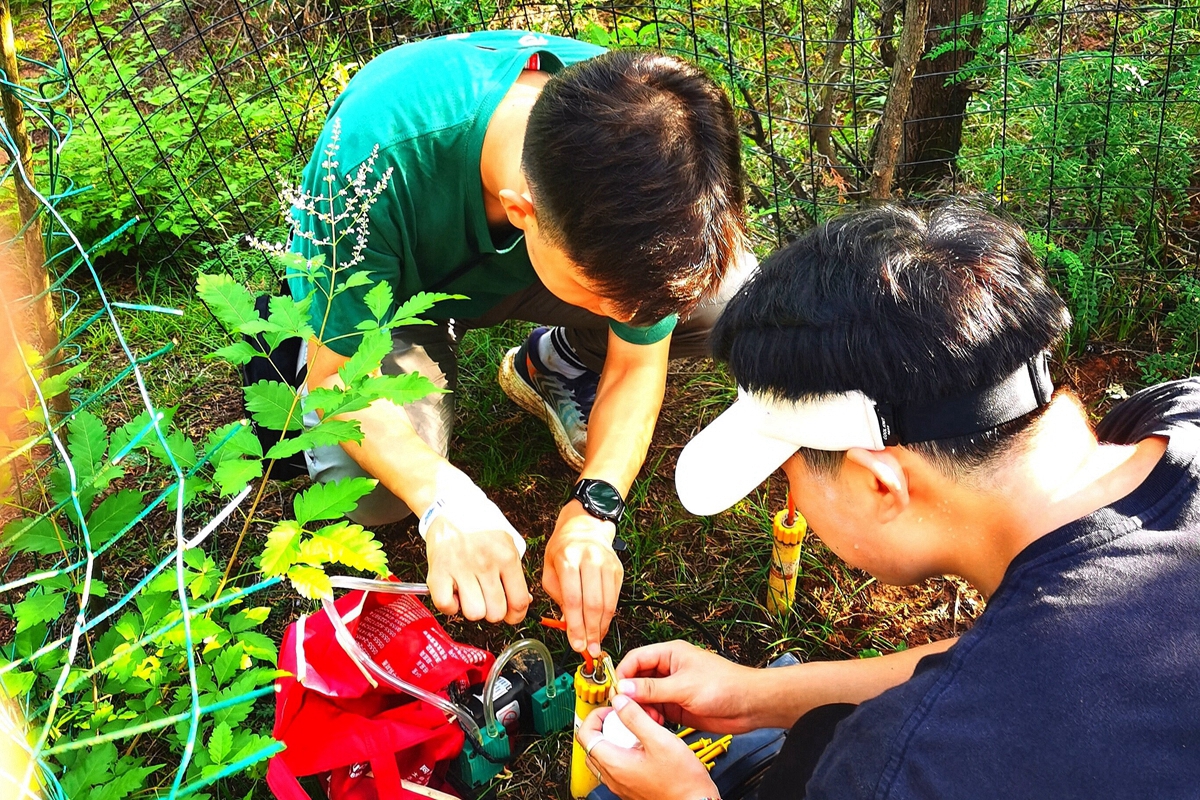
(1082, 677)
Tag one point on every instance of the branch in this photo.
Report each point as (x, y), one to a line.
(822, 125)
(891, 126)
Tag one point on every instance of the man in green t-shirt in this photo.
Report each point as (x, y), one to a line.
(545, 180)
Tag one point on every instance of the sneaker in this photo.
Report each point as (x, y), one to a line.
(563, 403)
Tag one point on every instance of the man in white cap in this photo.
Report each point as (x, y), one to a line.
(895, 367)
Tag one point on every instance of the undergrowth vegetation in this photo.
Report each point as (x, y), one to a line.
(140, 635)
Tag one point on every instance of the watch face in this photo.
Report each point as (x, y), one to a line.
(603, 498)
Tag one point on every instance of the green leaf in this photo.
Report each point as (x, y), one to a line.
(282, 550)
(229, 301)
(270, 402)
(58, 383)
(183, 449)
(379, 299)
(243, 442)
(87, 441)
(328, 432)
(41, 536)
(114, 513)
(193, 486)
(345, 543)
(333, 401)
(248, 618)
(292, 317)
(98, 588)
(331, 500)
(92, 768)
(356, 279)
(238, 353)
(124, 434)
(220, 743)
(259, 646)
(38, 608)
(227, 663)
(373, 348)
(400, 389)
(232, 475)
(418, 304)
(310, 582)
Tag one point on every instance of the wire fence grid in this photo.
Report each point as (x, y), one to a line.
(163, 130)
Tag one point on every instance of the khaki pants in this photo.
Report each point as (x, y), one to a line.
(432, 350)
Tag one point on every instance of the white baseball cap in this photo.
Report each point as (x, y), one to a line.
(755, 435)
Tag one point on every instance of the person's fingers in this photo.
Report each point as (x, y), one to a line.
(572, 608)
(495, 601)
(653, 691)
(591, 736)
(470, 597)
(515, 590)
(639, 723)
(592, 585)
(612, 593)
(441, 592)
(551, 583)
(650, 660)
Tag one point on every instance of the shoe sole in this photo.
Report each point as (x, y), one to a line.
(524, 395)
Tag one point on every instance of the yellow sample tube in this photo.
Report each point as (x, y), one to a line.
(789, 527)
(591, 692)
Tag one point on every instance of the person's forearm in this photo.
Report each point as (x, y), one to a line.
(779, 697)
(391, 449)
(623, 417)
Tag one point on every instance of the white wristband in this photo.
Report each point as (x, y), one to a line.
(465, 504)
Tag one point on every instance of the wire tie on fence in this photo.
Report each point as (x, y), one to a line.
(219, 518)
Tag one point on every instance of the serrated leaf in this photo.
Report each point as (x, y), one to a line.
(348, 544)
(238, 353)
(227, 663)
(331, 500)
(98, 588)
(292, 317)
(270, 402)
(333, 401)
(114, 513)
(90, 770)
(243, 442)
(356, 279)
(260, 646)
(220, 743)
(418, 304)
(193, 486)
(87, 441)
(373, 348)
(41, 536)
(38, 608)
(248, 618)
(400, 389)
(328, 432)
(182, 449)
(232, 475)
(282, 550)
(60, 382)
(124, 434)
(379, 299)
(310, 582)
(229, 301)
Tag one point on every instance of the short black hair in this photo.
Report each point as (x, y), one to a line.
(902, 307)
(633, 160)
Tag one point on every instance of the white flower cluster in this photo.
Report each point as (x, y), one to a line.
(340, 212)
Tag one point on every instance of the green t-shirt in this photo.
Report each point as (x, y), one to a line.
(426, 106)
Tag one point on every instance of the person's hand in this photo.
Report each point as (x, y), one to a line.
(475, 568)
(637, 773)
(583, 575)
(690, 686)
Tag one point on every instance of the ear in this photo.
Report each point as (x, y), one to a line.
(886, 480)
(519, 208)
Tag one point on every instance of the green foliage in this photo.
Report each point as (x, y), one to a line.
(1107, 140)
(1181, 327)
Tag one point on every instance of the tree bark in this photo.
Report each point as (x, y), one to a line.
(32, 282)
(891, 126)
(936, 110)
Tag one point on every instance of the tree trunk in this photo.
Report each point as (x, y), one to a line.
(887, 142)
(934, 122)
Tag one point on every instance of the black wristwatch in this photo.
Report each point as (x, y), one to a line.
(600, 499)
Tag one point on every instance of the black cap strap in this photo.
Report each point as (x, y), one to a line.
(1026, 389)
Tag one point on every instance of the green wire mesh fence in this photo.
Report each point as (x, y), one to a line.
(163, 131)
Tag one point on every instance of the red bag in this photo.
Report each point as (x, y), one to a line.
(359, 733)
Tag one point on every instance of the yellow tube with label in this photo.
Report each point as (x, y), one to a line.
(592, 691)
(785, 559)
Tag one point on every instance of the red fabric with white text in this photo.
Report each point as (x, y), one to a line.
(359, 738)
